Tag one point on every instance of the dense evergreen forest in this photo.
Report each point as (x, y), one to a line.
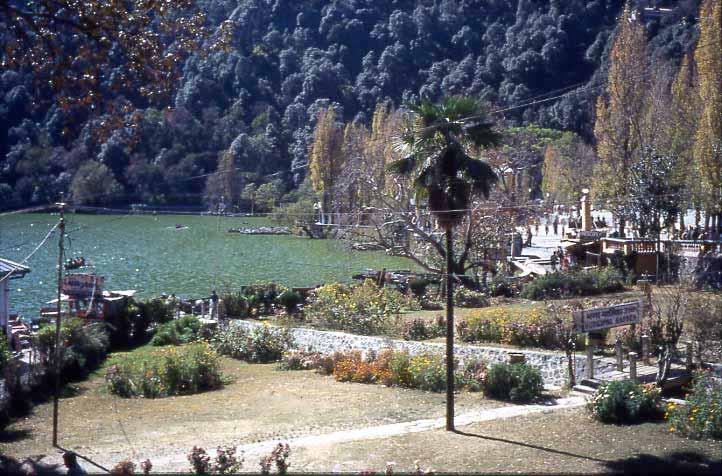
(257, 100)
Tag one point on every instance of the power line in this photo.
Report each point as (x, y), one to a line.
(40, 245)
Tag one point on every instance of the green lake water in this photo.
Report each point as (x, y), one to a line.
(148, 254)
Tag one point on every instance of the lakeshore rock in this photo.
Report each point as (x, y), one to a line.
(263, 230)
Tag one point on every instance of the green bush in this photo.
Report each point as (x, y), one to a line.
(262, 298)
(560, 285)
(419, 329)
(515, 382)
(701, 417)
(235, 305)
(418, 287)
(84, 346)
(517, 325)
(625, 402)
(5, 354)
(131, 325)
(499, 285)
(261, 344)
(180, 370)
(427, 372)
(290, 300)
(362, 309)
(464, 297)
(389, 367)
(180, 331)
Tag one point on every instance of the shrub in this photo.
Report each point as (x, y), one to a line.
(199, 460)
(261, 344)
(85, 346)
(363, 309)
(418, 286)
(290, 301)
(180, 331)
(353, 368)
(625, 402)
(296, 360)
(500, 286)
(5, 354)
(262, 297)
(558, 285)
(464, 297)
(394, 368)
(399, 364)
(473, 375)
(520, 326)
(701, 417)
(123, 468)
(515, 382)
(416, 329)
(235, 305)
(156, 310)
(428, 372)
(163, 372)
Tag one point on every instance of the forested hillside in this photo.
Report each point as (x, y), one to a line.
(256, 101)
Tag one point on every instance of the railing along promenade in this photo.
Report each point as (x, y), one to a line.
(642, 246)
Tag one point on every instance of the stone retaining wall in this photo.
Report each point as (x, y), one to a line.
(552, 365)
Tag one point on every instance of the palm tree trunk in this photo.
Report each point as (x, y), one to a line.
(449, 331)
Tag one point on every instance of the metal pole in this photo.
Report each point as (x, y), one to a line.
(58, 346)
(449, 332)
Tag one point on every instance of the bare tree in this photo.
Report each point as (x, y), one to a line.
(665, 316)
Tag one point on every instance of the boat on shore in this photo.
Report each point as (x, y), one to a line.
(75, 263)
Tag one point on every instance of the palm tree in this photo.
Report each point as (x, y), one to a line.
(446, 177)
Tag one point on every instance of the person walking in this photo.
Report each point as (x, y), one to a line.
(214, 305)
(556, 225)
(528, 236)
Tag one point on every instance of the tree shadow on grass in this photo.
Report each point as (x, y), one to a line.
(528, 445)
(11, 467)
(680, 462)
(11, 436)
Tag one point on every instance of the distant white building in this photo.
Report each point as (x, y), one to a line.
(9, 270)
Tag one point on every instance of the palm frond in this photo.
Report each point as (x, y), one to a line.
(481, 134)
(480, 175)
(403, 166)
(457, 108)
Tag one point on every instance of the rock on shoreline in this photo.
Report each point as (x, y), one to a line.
(263, 230)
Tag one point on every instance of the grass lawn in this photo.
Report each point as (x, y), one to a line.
(259, 403)
(567, 441)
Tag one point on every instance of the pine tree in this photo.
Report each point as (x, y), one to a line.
(708, 140)
(620, 116)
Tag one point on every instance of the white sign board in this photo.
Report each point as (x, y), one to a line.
(83, 286)
(591, 235)
(599, 318)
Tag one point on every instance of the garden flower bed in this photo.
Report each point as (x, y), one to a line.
(167, 371)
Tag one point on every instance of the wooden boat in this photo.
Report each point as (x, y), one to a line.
(75, 263)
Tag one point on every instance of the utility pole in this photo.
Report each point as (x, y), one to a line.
(58, 346)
